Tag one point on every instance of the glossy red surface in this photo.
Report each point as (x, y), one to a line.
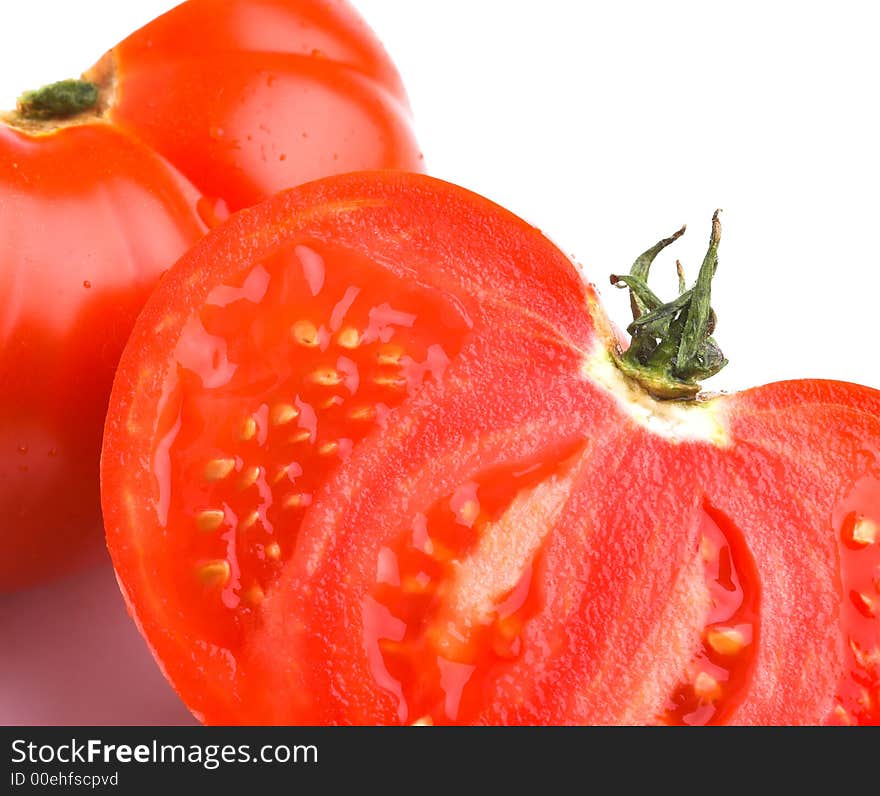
(90, 219)
(519, 537)
(247, 97)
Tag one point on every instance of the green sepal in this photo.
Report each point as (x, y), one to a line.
(672, 349)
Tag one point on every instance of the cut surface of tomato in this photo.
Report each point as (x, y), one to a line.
(277, 379)
(369, 461)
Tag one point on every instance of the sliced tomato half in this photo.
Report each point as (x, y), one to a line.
(368, 460)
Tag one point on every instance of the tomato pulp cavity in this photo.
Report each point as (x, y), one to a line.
(105, 182)
(369, 460)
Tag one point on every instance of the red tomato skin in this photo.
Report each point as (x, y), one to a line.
(79, 262)
(250, 97)
(90, 219)
(332, 29)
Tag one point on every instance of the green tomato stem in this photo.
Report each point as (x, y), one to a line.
(58, 100)
(671, 349)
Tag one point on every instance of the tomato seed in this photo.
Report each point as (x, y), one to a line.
(218, 469)
(273, 551)
(391, 382)
(249, 476)
(326, 377)
(363, 413)
(390, 355)
(328, 448)
(280, 475)
(725, 640)
(863, 603)
(210, 520)
(297, 500)
(283, 414)
(865, 531)
(249, 521)
(248, 429)
(254, 595)
(349, 338)
(305, 333)
(706, 687)
(214, 573)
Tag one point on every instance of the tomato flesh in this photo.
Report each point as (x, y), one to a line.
(720, 672)
(368, 462)
(433, 633)
(275, 379)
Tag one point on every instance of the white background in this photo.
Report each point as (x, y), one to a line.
(608, 125)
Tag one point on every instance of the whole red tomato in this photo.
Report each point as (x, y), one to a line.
(104, 183)
(374, 456)
(247, 97)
